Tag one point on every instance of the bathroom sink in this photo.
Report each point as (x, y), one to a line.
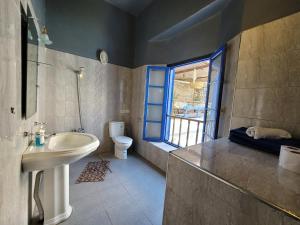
(52, 160)
(60, 149)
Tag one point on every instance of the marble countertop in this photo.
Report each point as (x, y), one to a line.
(248, 169)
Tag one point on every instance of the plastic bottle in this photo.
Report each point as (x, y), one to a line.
(37, 139)
(42, 134)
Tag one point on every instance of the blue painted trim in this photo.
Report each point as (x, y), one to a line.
(165, 104)
(146, 101)
(168, 97)
(148, 74)
(171, 92)
(169, 105)
(222, 72)
(184, 64)
(156, 86)
(157, 68)
(214, 55)
(206, 100)
(191, 62)
(155, 104)
(152, 121)
(195, 59)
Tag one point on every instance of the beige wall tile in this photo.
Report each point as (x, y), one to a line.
(245, 103)
(232, 55)
(269, 103)
(272, 70)
(293, 68)
(105, 93)
(14, 183)
(248, 73)
(147, 150)
(267, 87)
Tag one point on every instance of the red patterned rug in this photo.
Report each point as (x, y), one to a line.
(94, 172)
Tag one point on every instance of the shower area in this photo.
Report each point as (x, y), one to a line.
(80, 94)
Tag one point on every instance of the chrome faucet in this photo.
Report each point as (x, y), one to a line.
(31, 133)
(39, 123)
(49, 135)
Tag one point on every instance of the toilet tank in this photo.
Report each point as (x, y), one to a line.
(116, 128)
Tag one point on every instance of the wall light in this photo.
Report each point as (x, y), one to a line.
(80, 72)
(44, 38)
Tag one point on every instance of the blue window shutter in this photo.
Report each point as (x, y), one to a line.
(214, 95)
(170, 90)
(156, 97)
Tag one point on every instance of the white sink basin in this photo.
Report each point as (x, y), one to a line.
(63, 148)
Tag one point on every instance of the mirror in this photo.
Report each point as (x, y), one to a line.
(29, 65)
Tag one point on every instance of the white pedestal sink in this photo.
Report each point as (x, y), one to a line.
(54, 159)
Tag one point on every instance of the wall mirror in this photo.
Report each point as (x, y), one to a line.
(29, 64)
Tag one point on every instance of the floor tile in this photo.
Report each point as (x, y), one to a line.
(133, 194)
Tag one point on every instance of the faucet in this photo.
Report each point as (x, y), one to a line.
(50, 135)
(31, 133)
(39, 123)
(35, 124)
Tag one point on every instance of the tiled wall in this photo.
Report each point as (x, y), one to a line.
(154, 154)
(232, 55)
(267, 88)
(13, 183)
(105, 93)
(150, 152)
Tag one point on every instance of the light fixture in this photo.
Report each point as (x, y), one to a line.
(44, 38)
(80, 72)
(103, 56)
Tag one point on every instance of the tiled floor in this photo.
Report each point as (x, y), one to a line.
(133, 194)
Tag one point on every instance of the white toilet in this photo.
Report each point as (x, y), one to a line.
(122, 143)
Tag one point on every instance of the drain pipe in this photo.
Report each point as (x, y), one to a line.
(36, 196)
(80, 74)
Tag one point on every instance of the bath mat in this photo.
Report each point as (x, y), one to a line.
(94, 172)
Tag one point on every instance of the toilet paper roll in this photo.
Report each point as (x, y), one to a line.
(290, 158)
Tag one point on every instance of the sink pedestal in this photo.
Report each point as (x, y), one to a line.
(54, 158)
(55, 195)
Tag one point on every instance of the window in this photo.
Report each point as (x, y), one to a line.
(182, 102)
(156, 103)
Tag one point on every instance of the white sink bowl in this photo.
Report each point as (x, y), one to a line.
(61, 149)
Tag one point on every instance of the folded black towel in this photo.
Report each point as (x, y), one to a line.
(267, 145)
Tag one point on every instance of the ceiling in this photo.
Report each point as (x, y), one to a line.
(134, 7)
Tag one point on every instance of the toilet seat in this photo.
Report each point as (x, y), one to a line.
(122, 140)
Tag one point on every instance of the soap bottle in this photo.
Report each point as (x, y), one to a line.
(42, 134)
(37, 139)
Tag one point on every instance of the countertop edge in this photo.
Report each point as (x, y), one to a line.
(274, 206)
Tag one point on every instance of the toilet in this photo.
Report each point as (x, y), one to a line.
(122, 143)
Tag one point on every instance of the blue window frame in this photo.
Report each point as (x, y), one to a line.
(156, 96)
(170, 95)
(159, 98)
(169, 104)
(214, 95)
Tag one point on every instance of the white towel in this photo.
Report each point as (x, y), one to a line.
(262, 132)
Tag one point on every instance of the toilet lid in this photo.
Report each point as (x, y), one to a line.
(123, 139)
